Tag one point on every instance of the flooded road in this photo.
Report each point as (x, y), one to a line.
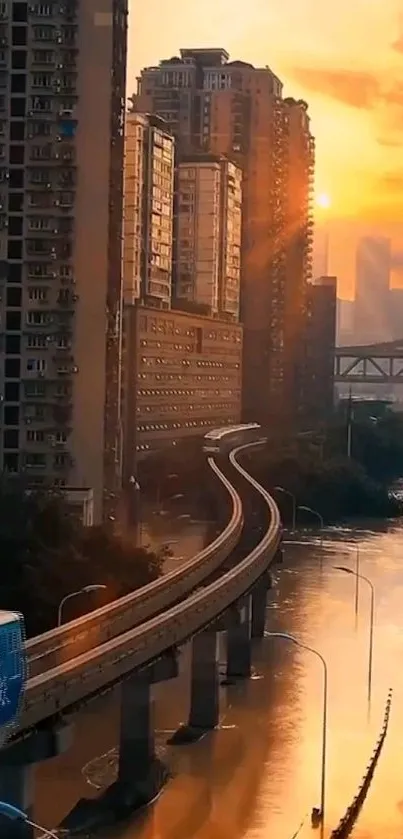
(258, 777)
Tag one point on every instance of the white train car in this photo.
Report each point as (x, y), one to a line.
(222, 440)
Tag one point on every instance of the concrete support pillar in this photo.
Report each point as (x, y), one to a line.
(204, 695)
(136, 752)
(16, 788)
(204, 690)
(16, 773)
(239, 651)
(259, 608)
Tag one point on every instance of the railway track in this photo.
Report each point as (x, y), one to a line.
(77, 637)
(74, 681)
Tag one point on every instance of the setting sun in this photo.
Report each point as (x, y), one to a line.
(323, 200)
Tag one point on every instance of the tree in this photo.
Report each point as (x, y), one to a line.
(47, 554)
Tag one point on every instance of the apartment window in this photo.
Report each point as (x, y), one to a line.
(12, 368)
(11, 415)
(40, 223)
(35, 460)
(41, 80)
(13, 321)
(15, 202)
(41, 104)
(38, 293)
(60, 460)
(37, 342)
(14, 295)
(37, 269)
(10, 462)
(11, 439)
(17, 131)
(44, 33)
(40, 129)
(35, 318)
(42, 9)
(17, 155)
(13, 345)
(61, 437)
(15, 226)
(18, 83)
(36, 365)
(19, 36)
(35, 436)
(19, 59)
(17, 106)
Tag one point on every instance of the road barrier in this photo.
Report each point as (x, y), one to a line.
(350, 817)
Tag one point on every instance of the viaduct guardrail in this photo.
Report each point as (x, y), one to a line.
(65, 686)
(57, 646)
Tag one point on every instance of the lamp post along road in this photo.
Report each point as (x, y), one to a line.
(287, 637)
(85, 590)
(320, 519)
(294, 505)
(371, 621)
(357, 582)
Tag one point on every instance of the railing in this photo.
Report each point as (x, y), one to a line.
(350, 817)
(80, 636)
(66, 685)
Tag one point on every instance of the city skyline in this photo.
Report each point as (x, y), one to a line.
(328, 63)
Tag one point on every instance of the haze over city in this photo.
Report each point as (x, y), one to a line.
(354, 93)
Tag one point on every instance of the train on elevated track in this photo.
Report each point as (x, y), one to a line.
(223, 440)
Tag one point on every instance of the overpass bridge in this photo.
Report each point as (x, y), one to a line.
(369, 364)
(134, 642)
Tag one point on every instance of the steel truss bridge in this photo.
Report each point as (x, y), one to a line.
(370, 364)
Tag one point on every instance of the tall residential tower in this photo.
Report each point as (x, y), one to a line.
(234, 109)
(63, 81)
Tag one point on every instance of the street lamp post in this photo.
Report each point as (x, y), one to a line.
(371, 621)
(137, 517)
(305, 509)
(294, 504)
(17, 815)
(357, 582)
(287, 637)
(84, 590)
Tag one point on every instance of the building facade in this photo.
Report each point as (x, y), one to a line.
(148, 210)
(234, 109)
(183, 377)
(60, 243)
(208, 233)
(321, 341)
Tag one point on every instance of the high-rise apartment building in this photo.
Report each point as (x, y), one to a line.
(148, 210)
(321, 340)
(237, 110)
(371, 309)
(208, 233)
(63, 88)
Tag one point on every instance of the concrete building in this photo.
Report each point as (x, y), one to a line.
(321, 341)
(60, 243)
(371, 310)
(183, 377)
(208, 233)
(234, 109)
(148, 210)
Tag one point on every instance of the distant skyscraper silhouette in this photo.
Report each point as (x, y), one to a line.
(371, 309)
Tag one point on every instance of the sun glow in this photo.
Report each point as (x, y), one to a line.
(323, 200)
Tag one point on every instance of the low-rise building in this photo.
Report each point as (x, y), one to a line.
(183, 375)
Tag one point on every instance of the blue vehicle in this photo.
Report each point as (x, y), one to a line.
(13, 669)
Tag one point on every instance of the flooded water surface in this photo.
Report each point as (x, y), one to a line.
(259, 775)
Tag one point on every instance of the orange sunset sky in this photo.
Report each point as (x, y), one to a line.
(344, 58)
